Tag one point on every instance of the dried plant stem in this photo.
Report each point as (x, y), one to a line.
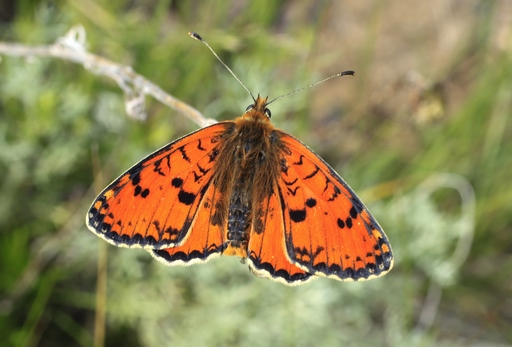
(71, 47)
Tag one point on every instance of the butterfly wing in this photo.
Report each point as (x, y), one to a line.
(204, 240)
(328, 230)
(154, 204)
(267, 254)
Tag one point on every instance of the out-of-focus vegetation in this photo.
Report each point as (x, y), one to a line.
(428, 111)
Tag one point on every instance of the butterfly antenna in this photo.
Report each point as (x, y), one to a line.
(199, 38)
(344, 73)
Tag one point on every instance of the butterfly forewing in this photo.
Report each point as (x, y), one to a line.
(328, 229)
(153, 204)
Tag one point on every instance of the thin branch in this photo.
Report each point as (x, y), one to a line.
(71, 47)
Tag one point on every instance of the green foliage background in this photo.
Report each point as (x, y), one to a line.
(432, 95)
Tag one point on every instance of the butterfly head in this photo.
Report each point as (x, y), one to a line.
(258, 109)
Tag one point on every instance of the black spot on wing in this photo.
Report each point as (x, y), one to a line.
(297, 216)
(348, 222)
(186, 198)
(135, 177)
(142, 192)
(310, 202)
(353, 212)
(177, 182)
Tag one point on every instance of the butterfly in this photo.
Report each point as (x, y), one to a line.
(244, 188)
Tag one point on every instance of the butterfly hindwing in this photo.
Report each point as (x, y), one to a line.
(204, 240)
(267, 255)
(153, 204)
(328, 230)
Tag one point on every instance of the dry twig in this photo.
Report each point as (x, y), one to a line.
(71, 47)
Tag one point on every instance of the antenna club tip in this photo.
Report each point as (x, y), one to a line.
(195, 35)
(348, 73)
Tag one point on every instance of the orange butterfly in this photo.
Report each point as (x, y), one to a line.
(246, 189)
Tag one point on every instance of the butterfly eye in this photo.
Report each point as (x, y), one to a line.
(249, 108)
(268, 113)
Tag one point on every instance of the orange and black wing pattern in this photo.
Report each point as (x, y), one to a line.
(244, 189)
(267, 249)
(327, 229)
(164, 198)
(204, 240)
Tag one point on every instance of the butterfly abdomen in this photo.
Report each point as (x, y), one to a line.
(238, 220)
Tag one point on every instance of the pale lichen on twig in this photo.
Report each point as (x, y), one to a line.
(71, 47)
